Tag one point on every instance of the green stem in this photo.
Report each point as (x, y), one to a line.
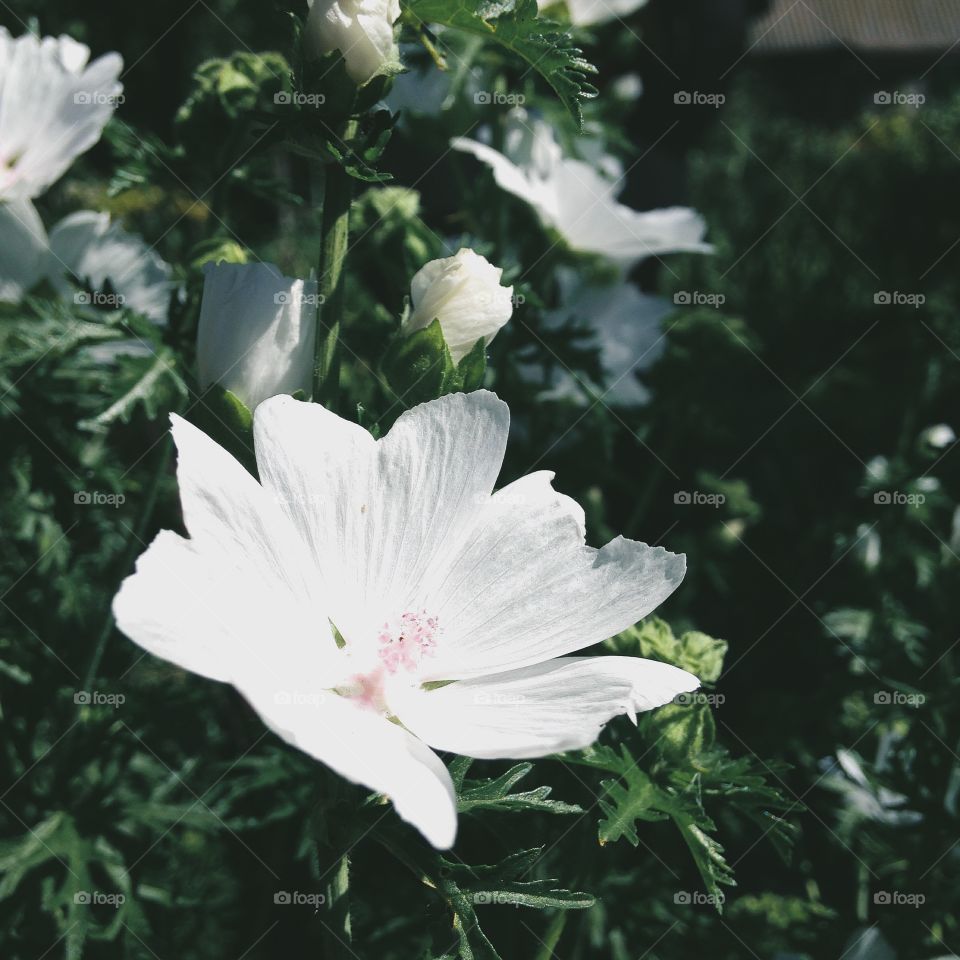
(134, 543)
(337, 197)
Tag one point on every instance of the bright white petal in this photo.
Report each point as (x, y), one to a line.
(525, 588)
(54, 107)
(238, 601)
(367, 749)
(381, 515)
(23, 246)
(548, 708)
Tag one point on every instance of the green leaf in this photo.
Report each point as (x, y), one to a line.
(515, 25)
(473, 795)
(151, 388)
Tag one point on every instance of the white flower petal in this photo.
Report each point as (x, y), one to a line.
(87, 245)
(362, 30)
(23, 246)
(379, 515)
(55, 107)
(368, 749)
(525, 588)
(238, 600)
(547, 708)
(257, 331)
(579, 201)
(464, 293)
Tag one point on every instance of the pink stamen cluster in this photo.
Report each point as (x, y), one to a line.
(407, 641)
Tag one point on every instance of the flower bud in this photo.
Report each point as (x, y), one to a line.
(362, 30)
(463, 292)
(257, 331)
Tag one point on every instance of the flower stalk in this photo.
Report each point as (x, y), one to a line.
(337, 197)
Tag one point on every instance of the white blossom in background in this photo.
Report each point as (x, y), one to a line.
(362, 30)
(55, 105)
(862, 799)
(23, 248)
(579, 199)
(464, 293)
(627, 326)
(457, 606)
(257, 331)
(585, 13)
(100, 253)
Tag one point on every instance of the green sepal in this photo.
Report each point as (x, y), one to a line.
(471, 369)
(419, 366)
(223, 416)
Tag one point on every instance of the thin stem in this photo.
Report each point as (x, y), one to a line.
(134, 542)
(337, 197)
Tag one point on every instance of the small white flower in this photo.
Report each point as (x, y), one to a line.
(429, 576)
(627, 327)
(257, 331)
(362, 30)
(54, 107)
(97, 251)
(23, 249)
(579, 201)
(591, 12)
(464, 293)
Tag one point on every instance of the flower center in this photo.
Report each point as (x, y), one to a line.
(405, 641)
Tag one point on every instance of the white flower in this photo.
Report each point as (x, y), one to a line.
(257, 331)
(98, 252)
(362, 30)
(590, 12)
(457, 605)
(627, 327)
(54, 107)
(23, 249)
(579, 201)
(463, 292)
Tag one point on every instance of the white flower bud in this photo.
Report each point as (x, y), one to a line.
(257, 331)
(362, 30)
(463, 292)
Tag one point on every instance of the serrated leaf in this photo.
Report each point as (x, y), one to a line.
(473, 795)
(515, 25)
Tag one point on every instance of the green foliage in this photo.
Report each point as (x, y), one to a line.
(515, 25)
